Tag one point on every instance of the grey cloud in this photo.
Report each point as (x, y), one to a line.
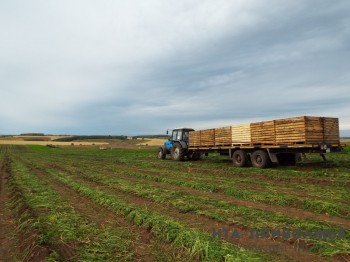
(126, 68)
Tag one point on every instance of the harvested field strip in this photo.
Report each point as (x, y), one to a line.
(340, 208)
(145, 245)
(64, 230)
(182, 187)
(199, 243)
(283, 175)
(215, 182)
(9, 243)
(218, 210)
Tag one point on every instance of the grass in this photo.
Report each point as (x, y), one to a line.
(59, 224)
(264, 191)
(217, 209)
(198, 243)
(133, 172)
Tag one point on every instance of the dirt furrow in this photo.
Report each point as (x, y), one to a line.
(287, 211)
(15, 244)
(92, 211)
(283, 248)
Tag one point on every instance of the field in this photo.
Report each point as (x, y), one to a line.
(73, 204)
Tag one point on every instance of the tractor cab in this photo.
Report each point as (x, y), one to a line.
(181, 134)
(177, 144)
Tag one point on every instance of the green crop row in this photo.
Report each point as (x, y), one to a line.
(219, 210)
(230, 188)
(199, 244)
(60, 225)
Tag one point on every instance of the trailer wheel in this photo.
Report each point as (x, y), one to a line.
(260, 159)
(161, 153)
(240, 158)
(177, 152)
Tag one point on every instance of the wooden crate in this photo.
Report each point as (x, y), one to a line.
(223, 136)
(208, 137)
(290, 130)
(240, 134)
(195, 138)
(331, 130)
(313, 130)
(295, 130)
(263, 132)
(307, 130)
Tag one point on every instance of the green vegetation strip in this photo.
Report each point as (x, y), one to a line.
(60, 225)
(220, 210)
(229, 186)
(199, 244)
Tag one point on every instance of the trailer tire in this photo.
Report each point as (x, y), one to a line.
(161, 153)
(260, 159)
(177, 152)
(240, 158)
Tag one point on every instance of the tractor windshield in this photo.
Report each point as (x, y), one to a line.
(174, 135)
(186, 136)
(179, 135)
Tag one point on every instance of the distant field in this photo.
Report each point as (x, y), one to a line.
(126, 205)
(110, 143)
(23, 142)
(345, 140)
(153, 142)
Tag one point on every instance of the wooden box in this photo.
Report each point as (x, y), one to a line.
(240, 134)
(195, 138)
(223, 136)
(263, 132)
(208, 137)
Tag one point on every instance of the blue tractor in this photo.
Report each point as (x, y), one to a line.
(177, 146)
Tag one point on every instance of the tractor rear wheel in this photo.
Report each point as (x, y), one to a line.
(240, 158)
(161, 153)
(177, 152)
(260, 159)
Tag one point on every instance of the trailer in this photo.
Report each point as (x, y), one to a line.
(282, 141)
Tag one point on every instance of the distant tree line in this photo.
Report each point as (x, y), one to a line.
(32, 134)
(74, 138)
(150, 136)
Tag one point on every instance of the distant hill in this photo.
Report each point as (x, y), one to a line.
(74, 138)
(32, 134)
(151, 136)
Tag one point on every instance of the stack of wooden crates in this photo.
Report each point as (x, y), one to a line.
(295, 130)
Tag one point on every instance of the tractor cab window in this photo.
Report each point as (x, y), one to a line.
(179, 135)
(186, 136)
(174, 135)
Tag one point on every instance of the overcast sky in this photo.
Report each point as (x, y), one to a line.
(140, 67)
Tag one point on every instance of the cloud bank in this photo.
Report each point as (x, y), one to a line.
(136, 67)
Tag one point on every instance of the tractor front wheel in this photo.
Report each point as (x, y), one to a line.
(161, 153)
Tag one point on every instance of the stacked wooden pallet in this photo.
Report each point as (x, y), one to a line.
(263, 132)
(295, 130)
(290, 130)
(307, 129)
(195, 138)
(204, 138)
(223, 136)
(331, 130)
(208, 137)
(241, 134)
